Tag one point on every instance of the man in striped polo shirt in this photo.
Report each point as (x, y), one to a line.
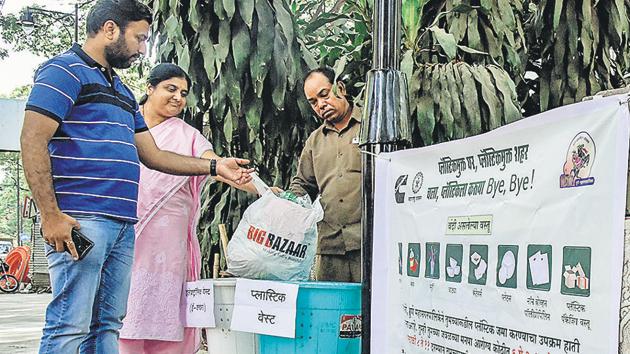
(82, 140)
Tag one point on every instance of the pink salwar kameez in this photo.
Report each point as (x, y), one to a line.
(166, 252)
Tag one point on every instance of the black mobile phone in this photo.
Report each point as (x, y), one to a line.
(82, 244)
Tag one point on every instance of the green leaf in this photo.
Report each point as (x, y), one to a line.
(507, 15)
(450, 84)
(406, 66)
(586, 37)
(446, 40)
(471, 99)
(489, 96)
(253, 112)
(230, 7)
(411, 14)
(284, 19)
(232, 83)
(339, 67)
(222, 48)
(228, 127)
(264, 46)
(240, 46)
(474, 40)
(426, 119)
(445, 103)
(220, 206)
(207, 51)
(172, 26)
(193, 14)
(219, 11)
(470, 50)
(183, 55)
(508, 95)
(557, 12)
(246, 10)
(462, 8)
(327, 19)
(278, 71)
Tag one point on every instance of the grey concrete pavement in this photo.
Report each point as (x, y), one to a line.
(21, 322)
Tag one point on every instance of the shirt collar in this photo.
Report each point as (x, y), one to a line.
(355, 117)
(76, 48)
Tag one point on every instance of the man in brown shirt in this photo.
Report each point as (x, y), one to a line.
(330, 165)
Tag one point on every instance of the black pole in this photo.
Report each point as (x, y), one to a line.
(385, 128)
(76, 23)
(17, 185)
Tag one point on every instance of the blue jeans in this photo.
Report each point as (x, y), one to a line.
(90, 296)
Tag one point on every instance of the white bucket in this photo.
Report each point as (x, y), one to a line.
(221, 339)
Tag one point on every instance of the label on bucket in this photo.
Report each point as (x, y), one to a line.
(350, 326)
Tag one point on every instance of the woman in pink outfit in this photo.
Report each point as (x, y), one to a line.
(167, 253)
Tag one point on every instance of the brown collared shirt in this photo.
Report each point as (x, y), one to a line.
(330, 165)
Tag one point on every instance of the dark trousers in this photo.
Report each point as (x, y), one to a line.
(344, 267)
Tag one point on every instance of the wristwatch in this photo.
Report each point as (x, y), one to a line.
(213, 167)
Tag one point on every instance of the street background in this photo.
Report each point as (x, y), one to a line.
(21, 322)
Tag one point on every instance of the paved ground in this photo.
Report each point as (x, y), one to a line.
(21, 322)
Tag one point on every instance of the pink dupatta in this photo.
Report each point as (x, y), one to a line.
(156, 188)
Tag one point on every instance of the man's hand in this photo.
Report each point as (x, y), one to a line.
(276, 190)
(231, 170)
(56, 230)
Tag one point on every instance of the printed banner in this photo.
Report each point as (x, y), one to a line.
(506, 242)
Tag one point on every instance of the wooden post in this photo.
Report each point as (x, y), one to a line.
(224, 239)
(217, 265)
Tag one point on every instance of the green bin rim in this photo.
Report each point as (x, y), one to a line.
(303, 285)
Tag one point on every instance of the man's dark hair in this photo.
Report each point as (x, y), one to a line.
(330, 75)
(324, 70)
(120, 11)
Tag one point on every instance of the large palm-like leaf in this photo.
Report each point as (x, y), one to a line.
(456, 100)
(579, 47)
(459, 57)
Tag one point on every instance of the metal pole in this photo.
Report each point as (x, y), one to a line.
(385, 128)
(386, 36)
(17, 185)
(76, 23)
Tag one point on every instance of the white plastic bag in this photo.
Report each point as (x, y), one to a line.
(276, 238)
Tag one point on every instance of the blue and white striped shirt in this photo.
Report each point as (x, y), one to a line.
(95, 166)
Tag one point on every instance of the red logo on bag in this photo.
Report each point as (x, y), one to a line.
(276, 243)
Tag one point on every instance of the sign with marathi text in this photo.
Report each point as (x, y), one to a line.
(200, 304)
(265, 307)
(506, 242)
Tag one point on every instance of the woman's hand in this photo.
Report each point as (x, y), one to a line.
(231, 169)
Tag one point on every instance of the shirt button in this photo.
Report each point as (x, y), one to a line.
(340, 200)
(343, 227)
(341, 175)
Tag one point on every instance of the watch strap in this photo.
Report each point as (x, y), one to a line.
(213, 167)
